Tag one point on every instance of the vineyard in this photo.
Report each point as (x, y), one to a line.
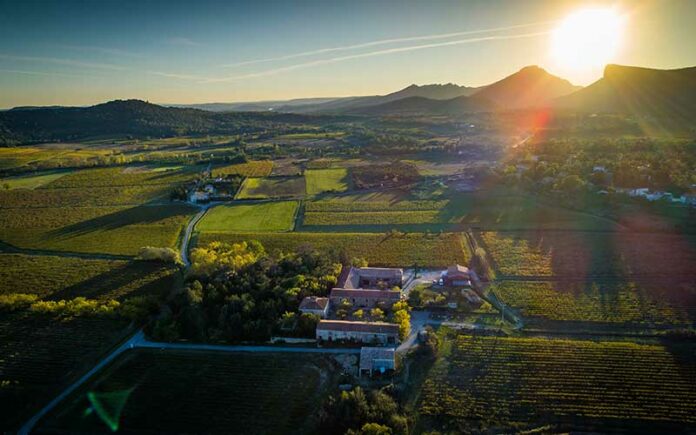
(504, 384)
(326, 180)
(349, 204)
(585, 255)
(261, 168)
(230, 393)
(113, 230)
(64, 277)
(128, 176)
(272, 187)
(269, 216)
(40, 355)
(401, 250)
(607, 302)
(31, 181)
(371, 218)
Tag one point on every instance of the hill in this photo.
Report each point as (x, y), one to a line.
(350, 104)
(121, 118)
(529, 87)
(427, 106)
(648, 92)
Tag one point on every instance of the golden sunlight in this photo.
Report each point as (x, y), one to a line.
(587, 39)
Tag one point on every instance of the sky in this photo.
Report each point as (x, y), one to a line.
(86, 52)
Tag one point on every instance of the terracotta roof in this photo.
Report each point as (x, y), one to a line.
(350, 276)
(314, 303)
(369, 327)
(390, 295)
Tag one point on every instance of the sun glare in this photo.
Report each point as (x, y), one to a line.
(587, 39)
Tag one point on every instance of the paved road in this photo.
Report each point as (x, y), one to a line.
(189, 231)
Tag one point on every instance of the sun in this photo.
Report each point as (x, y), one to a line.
(587, 39)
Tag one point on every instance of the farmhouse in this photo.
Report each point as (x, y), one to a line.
(315, 305)
(377, 360)
(198, 196)
(457, 276)
(362, 332)
(360, 298)
(370, 278)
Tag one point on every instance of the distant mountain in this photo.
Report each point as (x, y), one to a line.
(127, 118)
(350, 104)
(255, 106)
(427, 106)
(529, 87)
(639, 91)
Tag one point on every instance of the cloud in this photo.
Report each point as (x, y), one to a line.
(372, 54)
(103, 50)
(59, 61)
(36, 73)
(180, 40)
(385, 42)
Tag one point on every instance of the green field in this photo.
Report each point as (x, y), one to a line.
(224, 393)
(31, 181)
(505, 384)
(272, 187)
(326, 180)
(622, 302)
(260, 168)
(111, 230)
(378, 249)
(269, 216)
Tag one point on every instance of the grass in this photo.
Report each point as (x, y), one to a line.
(326, 180)
(505, 384)
(109, 230)
(31, 181)
(270, 216)
(225, 393)
(273, 187)
(378, 249)
(261, 168)
(55, 277)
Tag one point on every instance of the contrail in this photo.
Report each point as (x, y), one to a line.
(371, 54)
(68, 62)
(386, 42)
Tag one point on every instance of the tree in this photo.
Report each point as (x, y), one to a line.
(377, 314)
(372, 429)
(403, 319)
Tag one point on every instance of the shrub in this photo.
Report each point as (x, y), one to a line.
(165, 255)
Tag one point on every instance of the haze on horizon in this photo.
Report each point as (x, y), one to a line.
(80, 53)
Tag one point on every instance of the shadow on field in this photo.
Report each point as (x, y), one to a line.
(135, 278)
(139, 215)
